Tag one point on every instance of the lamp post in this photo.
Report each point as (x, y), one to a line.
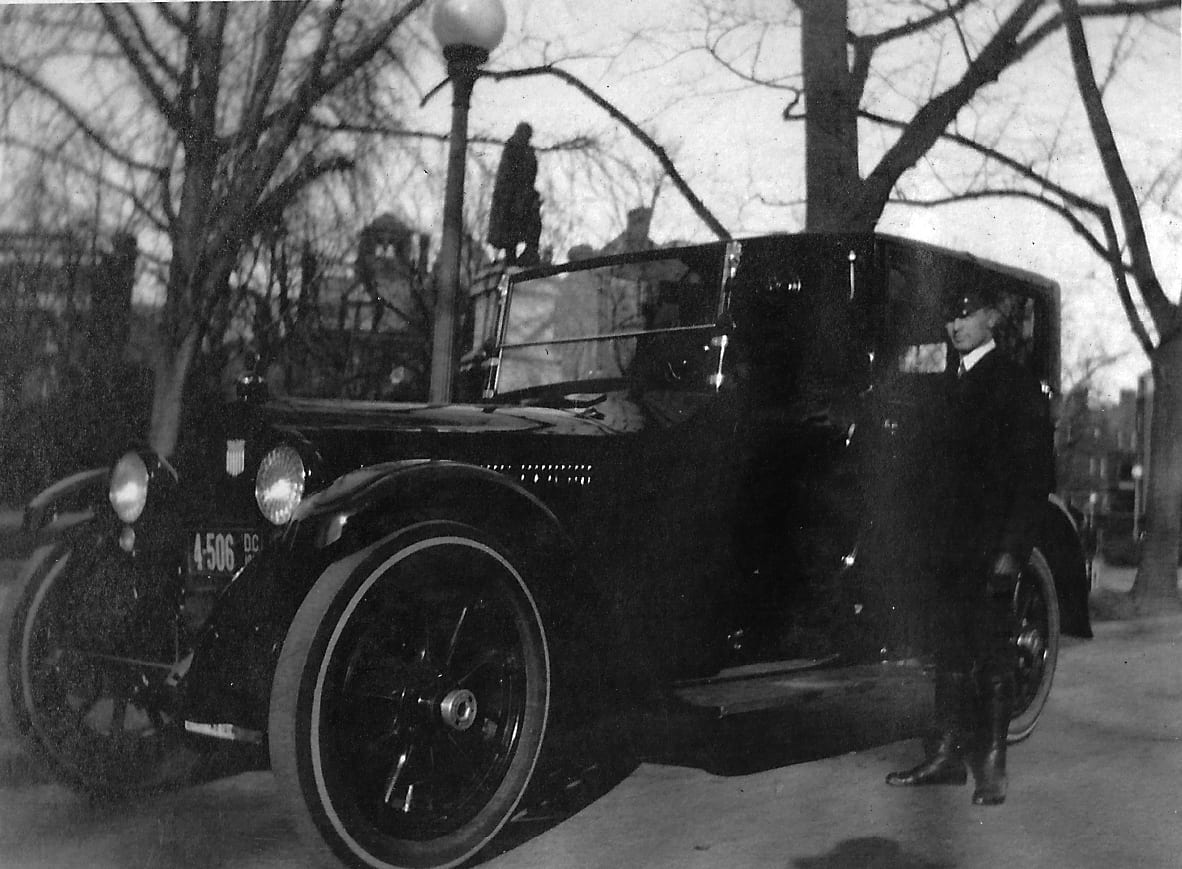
(467, 30)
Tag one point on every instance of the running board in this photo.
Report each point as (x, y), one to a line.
(761, 670)
(780, 686)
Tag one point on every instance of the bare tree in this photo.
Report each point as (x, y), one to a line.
(1156, 586)
(226, 116)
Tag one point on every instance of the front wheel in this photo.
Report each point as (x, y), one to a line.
(410, 700)
(1036, 619)
(84, 662)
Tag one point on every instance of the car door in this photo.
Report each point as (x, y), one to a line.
(634, 345)
(801, 368)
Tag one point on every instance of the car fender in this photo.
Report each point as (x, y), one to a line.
(229, 679)
(368, 500)
(371, 503)
(1060, 542)
(64, 503)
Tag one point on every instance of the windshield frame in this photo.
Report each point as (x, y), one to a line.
(726, 254)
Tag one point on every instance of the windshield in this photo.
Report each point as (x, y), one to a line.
(612, 322)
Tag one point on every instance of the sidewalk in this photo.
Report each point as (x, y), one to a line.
(1108, 601)
(1095, 787)
(1113, 578)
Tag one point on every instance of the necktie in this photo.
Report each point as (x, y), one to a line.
(961, 369)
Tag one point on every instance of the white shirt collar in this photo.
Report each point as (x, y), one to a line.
(974, 356)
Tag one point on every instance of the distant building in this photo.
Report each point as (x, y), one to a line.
(64, 310)
(1096, 445)
(635, 236)
(66, 388)
(366, 330)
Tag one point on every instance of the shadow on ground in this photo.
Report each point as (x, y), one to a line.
(585, 765)
(871, 852)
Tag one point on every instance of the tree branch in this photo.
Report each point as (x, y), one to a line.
(75, 118)
(1108, 250)
(1005, 48)
(166, 106)
(1164, 314)
(575, 143)
(285, 124)
(936, 115)
(174, 75)
(281, 18)
(41, 151)
(365, 52)
(271, 207)
(912, 27)
(1094, 10)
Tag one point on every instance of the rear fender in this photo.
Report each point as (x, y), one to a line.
(1060, 542)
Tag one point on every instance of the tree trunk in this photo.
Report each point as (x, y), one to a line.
(1155, 589)
(167, 396)
(832, 182)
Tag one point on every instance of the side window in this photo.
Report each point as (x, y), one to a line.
(918, 283)
(804, 337)
(1015, 333)
(916, 342)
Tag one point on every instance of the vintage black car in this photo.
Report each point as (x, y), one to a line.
(678, 469)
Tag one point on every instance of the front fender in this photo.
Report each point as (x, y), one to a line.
(376, 498)
(229, 678)
(64, 504)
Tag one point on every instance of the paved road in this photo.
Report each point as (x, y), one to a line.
(1096, 786)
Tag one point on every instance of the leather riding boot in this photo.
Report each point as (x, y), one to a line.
(945, 765)
(998, 702)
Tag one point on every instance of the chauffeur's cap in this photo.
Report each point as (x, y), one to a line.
(966, 301)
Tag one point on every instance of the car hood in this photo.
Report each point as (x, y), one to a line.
(312, 416)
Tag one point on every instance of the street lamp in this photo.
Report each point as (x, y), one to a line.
(467, 30)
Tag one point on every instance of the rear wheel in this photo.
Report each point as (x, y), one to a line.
(1036, 616)
(411, 699)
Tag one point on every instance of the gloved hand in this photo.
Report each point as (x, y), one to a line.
(1003, 575)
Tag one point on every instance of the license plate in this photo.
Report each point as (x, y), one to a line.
(220, 553)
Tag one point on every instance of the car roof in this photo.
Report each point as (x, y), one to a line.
(1039, 285)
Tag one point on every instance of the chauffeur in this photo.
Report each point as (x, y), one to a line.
(999, 474)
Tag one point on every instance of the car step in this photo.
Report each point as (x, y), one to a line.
(775, 686)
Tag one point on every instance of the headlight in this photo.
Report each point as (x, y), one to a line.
(128, 488)
(279, 485)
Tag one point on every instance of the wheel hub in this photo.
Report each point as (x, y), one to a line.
(458, 709)
(1031, 642)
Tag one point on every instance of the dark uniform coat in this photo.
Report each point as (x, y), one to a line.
(1000, 461)
(1000, 470)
